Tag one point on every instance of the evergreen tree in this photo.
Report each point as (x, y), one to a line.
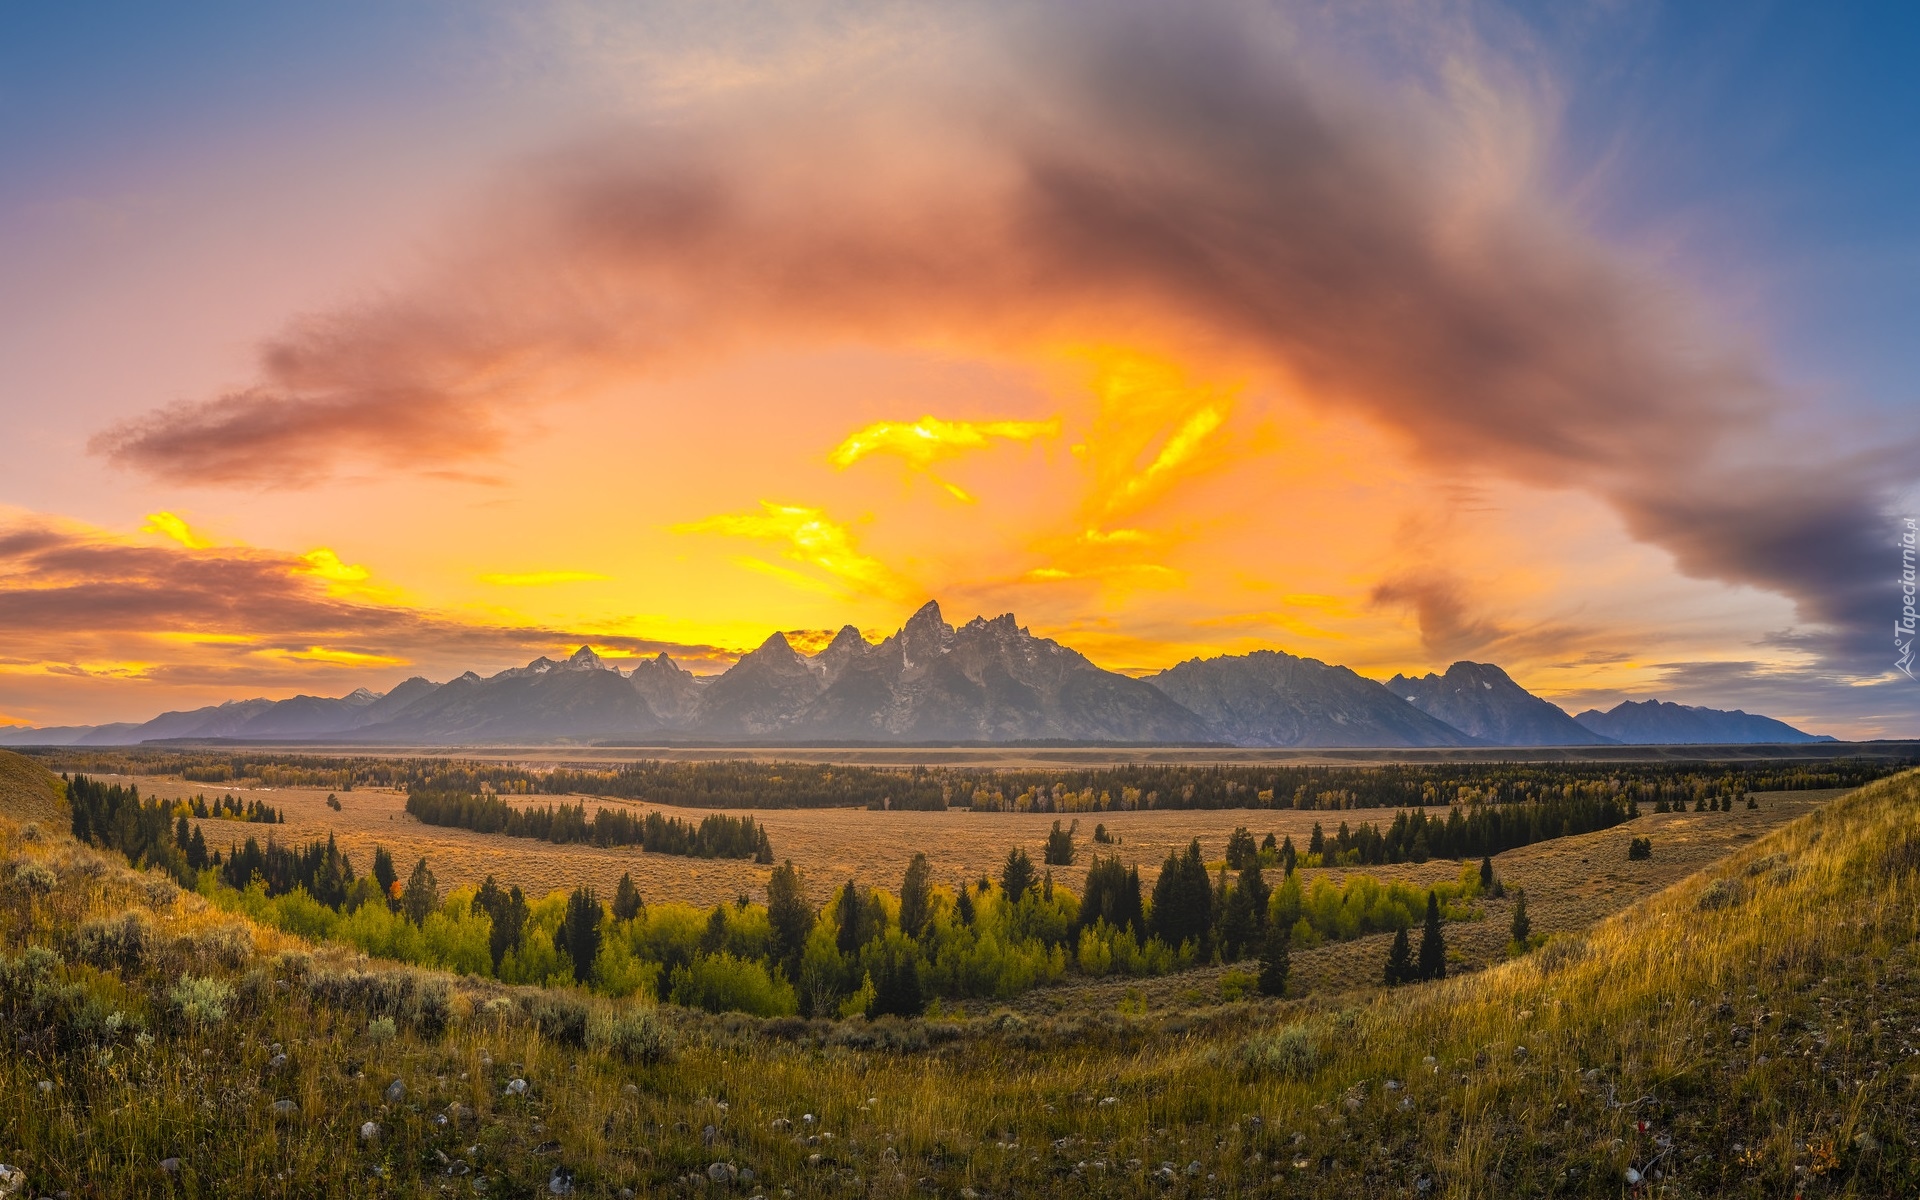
(1112, 895)
(789, 916)
(1059, 848)
(626, 899)
(422, 894)
(1486, 873)
(579, 932)
(1245, 912)
(1433, 945)
(714, 938)
(1017, 878)
(916, 896)
(197, 850)
(1289, 857)
(964, 906)
(1317, 844)
(1183, 901)
(897, 990)
(1522, 927)
(507, 916)
(182, 836)
(1400, 960)
(384, 874)
(1275, 960)
(848, 939)
(1240, 848)
(763, 850)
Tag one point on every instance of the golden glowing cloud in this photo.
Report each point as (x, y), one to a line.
(327, 565)
(931, 438)
(542, 578)
(809, 536)
(342, 658)
(166, 524)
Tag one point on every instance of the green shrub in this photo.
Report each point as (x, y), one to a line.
(721, 982)
(635, 1036)
(1289, 1052)
(201, 1000)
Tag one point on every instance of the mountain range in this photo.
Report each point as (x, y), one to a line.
(987, 681)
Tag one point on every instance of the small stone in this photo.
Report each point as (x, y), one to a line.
(285, 1108)
(629, 1090)
(45, 1086)
(369, 1131)
(1423, 1184)
(170, 1165)
(709, 1136)
(516, 1087)
(396, 1092)
(560, 1183)
(718, 1172)
(813, 1160)
(277, 1061)
(1193, 1168)
(1633, 1177)
(780, 1123)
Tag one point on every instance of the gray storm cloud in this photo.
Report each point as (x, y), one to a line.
(1189, 180)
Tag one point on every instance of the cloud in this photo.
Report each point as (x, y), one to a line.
(929, 439)
(168, 525)
(542, 578)
(82, 602)
(1215, 184)
(806, 535)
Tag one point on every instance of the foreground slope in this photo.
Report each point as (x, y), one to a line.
(1746, 1033)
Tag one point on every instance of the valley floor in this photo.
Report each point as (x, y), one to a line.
(1749, 1030)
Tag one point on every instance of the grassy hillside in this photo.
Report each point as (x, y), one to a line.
(28, 791)
(1749, 1031)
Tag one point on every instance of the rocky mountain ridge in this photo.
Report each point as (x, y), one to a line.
(990, 680)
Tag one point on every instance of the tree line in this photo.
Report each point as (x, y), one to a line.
(1124, 787)
(716, 836)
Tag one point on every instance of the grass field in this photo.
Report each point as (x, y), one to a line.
(1747, 1031)
(1571, 882)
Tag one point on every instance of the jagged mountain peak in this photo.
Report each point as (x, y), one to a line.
(585, 659)
(1483, 700)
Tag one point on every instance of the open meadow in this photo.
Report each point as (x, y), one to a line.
(1571, 882)
(1744, 1031)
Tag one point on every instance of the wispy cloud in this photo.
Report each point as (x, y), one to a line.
(807, 535)
(541, 578)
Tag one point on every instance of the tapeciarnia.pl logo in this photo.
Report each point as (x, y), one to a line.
(1903, 628)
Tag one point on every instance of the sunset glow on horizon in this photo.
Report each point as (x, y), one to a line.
(1174, 335)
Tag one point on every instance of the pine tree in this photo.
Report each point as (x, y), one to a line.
(896, 982)
(1433, 945)
(384, 874)
(789, 916)
(1400, 960)
(763, 849)
(626, 899)
(1275, 961)
(1245, 914)
(1522, 927)
(1017, 877)
(1317, 844)
(197, 850)
(579, 932)
(422, 895)
(848, 939)
(963, 907)
(916, 896)
(182, 836)
(1486, 873)
(1289, 857)
(714, 938)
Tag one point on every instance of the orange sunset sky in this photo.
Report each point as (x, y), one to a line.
(657, 331)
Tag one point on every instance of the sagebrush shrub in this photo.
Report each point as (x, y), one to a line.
(201, 1000)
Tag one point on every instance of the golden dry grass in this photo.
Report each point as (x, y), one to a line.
(1747, 1031)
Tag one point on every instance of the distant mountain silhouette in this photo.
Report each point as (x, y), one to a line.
(1480, 699)
(990, 680)
(1272, 699)
(1662, 723)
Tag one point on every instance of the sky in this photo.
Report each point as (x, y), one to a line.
(343, 343)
